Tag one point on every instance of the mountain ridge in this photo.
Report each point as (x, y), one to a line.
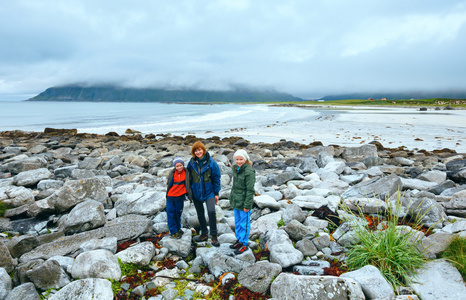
(74, 93)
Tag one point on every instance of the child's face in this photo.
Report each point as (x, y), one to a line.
(239, 161)
(179, 167)
(199, 152)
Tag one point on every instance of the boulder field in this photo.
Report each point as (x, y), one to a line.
(71, 200)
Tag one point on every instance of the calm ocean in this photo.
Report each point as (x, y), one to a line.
(393, 127)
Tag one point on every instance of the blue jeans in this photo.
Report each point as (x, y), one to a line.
(242, 226)
(174, 211)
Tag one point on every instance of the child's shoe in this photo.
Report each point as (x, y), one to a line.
(241, 250)
(175, 235)
(236, 245)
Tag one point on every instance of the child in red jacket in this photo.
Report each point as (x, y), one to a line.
(178, 187)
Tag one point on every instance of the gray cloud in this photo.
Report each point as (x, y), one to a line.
(307, 48)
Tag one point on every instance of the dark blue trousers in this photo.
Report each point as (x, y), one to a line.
(174, 211)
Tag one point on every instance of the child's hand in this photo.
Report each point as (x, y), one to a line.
(246, 210)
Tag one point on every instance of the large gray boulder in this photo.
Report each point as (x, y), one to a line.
(5, 284)
(124, 228)
(109, 243)
(265, 223)
(48, 275)
(18, 245)
(84, 216)
(307, 246)
(49, 184)
(436, 176)
(293, 212)
(312, 267)
(308, 164)
(139, 254)
(32, 177)
(356, 154)
(25, 291)
(16, 196)
(417, 184)
(301, 287)
(221, 259)
(90, 163)
(372, 282)
(282, 178)
(77, 191)
(264, 201)
(281, 248)
(257, 277)
(181, 247)
(6, 261)
(378, 188)
(297, 230)
(429, 211)
(99, 263)
(27, 164)
(439, 279)
(85, 289)
(145, 203)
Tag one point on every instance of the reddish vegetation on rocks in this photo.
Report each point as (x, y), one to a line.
(154, 239)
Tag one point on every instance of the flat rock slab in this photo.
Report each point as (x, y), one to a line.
(124, 228)
(439, 280)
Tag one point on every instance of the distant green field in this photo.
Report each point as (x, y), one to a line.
(441, 102)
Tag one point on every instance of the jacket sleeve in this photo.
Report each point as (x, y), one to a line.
(215, 177)
(250, 180)
(170, 179)
(188, 184)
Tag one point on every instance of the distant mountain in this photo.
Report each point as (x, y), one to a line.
(119, 94)
(399, 96)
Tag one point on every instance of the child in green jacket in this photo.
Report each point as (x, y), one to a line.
(242, 198)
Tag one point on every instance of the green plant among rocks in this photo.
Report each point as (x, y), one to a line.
(389, 248)
(127, 269)
(456, 253)
(45, 295)
(281, 223)
(3, 208)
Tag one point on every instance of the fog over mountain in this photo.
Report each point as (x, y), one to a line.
(306, 48)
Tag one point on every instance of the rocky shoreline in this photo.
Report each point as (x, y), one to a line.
(74, 198)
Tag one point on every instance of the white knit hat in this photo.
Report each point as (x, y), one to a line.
(241, 153)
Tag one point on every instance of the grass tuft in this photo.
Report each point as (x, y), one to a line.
(3, 208)
(389, 248)
(456, 253)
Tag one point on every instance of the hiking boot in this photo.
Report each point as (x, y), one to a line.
(175, 235)
(241, 250)
(180, 232)
(236, 245)
(200, 238)
(215, 241)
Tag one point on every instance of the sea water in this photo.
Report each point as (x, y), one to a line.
(344, 126)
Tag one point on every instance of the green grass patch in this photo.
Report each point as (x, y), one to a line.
(456, 253)
(281, 223)
(3, 208)
(127, 269)
(402, 102)
(388, 248)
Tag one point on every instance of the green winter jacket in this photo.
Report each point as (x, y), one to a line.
(242, 191)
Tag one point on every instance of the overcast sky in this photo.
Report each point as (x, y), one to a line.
(306, 48)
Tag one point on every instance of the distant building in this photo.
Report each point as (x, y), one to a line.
(371, 98)
(384, 98)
